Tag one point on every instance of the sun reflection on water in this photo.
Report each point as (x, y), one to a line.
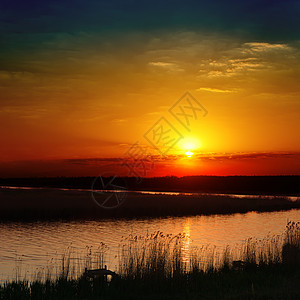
(186, 242)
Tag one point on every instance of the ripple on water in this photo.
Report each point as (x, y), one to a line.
(30, 246)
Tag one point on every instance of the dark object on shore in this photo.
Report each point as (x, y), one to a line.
(290, 254)
(98, 273)
(238, 265)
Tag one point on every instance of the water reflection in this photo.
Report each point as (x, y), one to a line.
(186, 240)
(26, 248)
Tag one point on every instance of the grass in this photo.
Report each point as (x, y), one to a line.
(29, 205)
(158, 266)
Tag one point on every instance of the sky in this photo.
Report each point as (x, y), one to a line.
(85, 85)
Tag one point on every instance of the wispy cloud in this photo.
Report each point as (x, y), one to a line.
(166, 66)
(161, 64)
(246, 155)
(201, 156)
(213, 90)
(247, 58)
(260, 47)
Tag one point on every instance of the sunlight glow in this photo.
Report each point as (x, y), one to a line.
(189, 143)
(189, 153)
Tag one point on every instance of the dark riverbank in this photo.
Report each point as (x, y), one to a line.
(258, 185)
(272, 282)
(51, 203)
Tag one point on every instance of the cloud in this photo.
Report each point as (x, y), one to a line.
(247, 156)
(161, 64)
(262, 47)
(119, 121)
(93, 161)
(245, 59)
(166, 65)
(113, 165)
(172, 157)
(215, 90)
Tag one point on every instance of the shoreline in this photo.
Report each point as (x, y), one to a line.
(49, 203)
(157, 192)
(264, 185)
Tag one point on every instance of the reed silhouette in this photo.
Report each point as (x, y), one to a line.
(155, 267)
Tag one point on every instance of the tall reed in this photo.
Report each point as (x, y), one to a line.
(153, 255)
(291, 246)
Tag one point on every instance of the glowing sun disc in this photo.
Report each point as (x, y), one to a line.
(189, 153)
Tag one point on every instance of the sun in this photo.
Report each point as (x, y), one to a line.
(189, 153)
(188, 144)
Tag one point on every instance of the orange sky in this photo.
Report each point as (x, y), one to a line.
(76, 103)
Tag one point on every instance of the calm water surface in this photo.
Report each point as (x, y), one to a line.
(27, 248)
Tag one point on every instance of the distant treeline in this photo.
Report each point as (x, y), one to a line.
(272, 185)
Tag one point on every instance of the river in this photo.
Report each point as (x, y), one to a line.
(29, 248)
